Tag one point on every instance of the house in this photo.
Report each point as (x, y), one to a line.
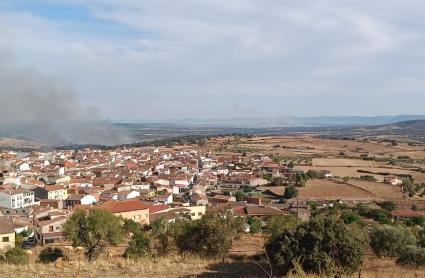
(48, 226)
(16, 198)
(79, 199)
(125, 195)
(260, 211)
(7, 233)
(172, 214)
(128, 209)
(392, 180)
(406, 214)
(199, 200)
(258, 182)
(22, 166)
(222, 199)
(51, 192)
(328, 174)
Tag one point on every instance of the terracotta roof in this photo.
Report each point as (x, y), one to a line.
(158, 208)
(123, 206)
(260, 211)
(54, 187)
(407, 213)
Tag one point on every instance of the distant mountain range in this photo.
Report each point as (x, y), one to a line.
(410, 127)
(288, 121)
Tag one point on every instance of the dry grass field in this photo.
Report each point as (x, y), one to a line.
(177, 266)
(379, 190)
(331, 190)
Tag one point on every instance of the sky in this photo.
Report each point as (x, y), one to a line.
(157, 59)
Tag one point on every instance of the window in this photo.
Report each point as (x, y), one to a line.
(5, 239)
(50, 228)
(193, 214)
(199, 213)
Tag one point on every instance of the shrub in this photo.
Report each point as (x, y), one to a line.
(322, 245)
(290, 192)
(139, 246)
(388, 205)
(254, 225)
(389, 241)
(379, 215)
(210, 237)
(131, 226)
(412, 256)
(50, 255)
(350, 217)
(16, 256)
(275, 225)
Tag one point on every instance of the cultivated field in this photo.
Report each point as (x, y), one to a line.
(332, 190)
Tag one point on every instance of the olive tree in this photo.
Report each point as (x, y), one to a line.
(323, 245)
(93, 229)
(389, 241)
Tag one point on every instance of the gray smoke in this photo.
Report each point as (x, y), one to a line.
(36, 106)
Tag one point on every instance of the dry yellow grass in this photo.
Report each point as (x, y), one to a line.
(177, 266)
(330, 190)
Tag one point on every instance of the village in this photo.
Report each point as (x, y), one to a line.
(39, 191)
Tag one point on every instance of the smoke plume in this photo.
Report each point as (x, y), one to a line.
(39, 107)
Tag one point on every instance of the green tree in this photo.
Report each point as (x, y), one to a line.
(323, 245)
(211, 236)
(162, 236)
(411, 256)
(254, 225)
(275, 225)
(388, 205)
(94, 230)
(389, 241)
(350, 217)
(139, 246)
(239, 196)
(290, 192)
(131, 226)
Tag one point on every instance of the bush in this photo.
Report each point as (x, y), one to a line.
(139, 246)
(16, 256)
(389, 241)
(368, 178)
(210, 237)
(50, 255)
(380, 215)
(350, 217)
(290, 192)
(131, 226)
(254, 225)
(322, 245)
(388, 205)
(412, 256)
(277, 224)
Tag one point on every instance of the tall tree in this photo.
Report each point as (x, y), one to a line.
(94, 230)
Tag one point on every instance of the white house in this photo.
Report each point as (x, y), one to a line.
(393, 180)
(22, 166)
(88, 200)
(16, 198)
(140, 186)
(125, 195)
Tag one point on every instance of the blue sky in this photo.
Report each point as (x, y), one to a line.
(156, 59)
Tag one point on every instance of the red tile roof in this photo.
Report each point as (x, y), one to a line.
(407, 213)
(123, 206)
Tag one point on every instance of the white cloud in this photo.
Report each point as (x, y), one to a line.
(195, 52)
